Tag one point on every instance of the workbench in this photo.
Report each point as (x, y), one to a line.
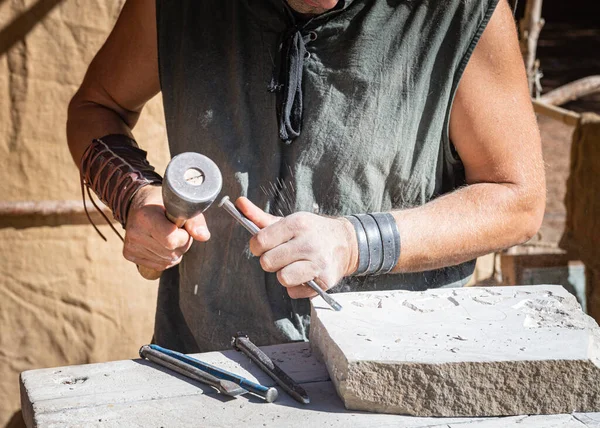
(136, 393)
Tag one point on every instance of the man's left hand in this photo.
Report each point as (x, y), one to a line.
(301, 247)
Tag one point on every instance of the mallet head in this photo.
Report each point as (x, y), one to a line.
(190, 185)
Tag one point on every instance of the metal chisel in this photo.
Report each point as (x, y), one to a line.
(228, 206)
(241, 342)
(223, 386)
(268, 393)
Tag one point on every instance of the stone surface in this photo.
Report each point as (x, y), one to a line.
(461, 352)
(66, 296)
(136, 393)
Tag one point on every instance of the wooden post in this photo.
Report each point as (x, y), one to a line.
(592, 292)
(530, 27)
(48, 208)
(572, 91)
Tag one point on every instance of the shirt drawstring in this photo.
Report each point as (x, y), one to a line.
(286, 82)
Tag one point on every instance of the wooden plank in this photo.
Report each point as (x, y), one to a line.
(512, 265)
(562, 115)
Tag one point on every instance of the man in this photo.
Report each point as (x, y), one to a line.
(314, 110)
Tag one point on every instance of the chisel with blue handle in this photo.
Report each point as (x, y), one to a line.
(226, 387)
(268, 393)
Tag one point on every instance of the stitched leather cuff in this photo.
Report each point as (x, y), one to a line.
(115, 168)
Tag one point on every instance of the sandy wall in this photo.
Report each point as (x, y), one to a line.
(66, 296)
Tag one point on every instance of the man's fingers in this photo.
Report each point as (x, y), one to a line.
(301, 292)
(196, 227)
(281, 232)
(296, 274)
(169, 236)
(137, 241)
(152, 221)
(282, 252)
(151, 240)
(140, 261)
(167, 254)
(134, 253)
(133, 249)
(254, 213)
(152, 263)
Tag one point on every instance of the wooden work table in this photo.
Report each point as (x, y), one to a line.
(136, 393)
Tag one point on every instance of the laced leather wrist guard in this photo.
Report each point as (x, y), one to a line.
(115, 168)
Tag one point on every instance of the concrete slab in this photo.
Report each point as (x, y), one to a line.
(591, 420)
(47, 395)
(539, 421)
(137, 394)
(461, 352)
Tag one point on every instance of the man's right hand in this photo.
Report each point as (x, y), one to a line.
(151, 240)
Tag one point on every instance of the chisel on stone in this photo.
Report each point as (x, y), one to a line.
(249, 225)
(241, 342)
(268, 393)
(225, 387)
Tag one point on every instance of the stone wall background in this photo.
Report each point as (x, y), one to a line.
(66, 296)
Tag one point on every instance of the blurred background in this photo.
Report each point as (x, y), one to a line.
(67, 297)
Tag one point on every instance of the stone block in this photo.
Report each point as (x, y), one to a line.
(461, 352)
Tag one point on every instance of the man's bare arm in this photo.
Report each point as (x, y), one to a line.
(494, 130)
(120, 80)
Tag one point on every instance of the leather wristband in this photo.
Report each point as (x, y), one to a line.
(363, 247)
(378, 242)
(115, 168)
(390, 240)
(374, 242)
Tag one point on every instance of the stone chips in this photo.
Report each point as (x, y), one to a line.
(461, 352)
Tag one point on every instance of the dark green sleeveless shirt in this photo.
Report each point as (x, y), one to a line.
(378, 82)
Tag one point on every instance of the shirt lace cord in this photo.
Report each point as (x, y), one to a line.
(287, 82)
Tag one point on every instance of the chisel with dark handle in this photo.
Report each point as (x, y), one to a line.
(241, 342)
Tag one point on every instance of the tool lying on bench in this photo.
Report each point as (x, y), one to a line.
(228, 206)
(223, 386)
(241, 342)
(225, 382)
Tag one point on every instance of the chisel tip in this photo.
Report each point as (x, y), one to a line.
(230, 388)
